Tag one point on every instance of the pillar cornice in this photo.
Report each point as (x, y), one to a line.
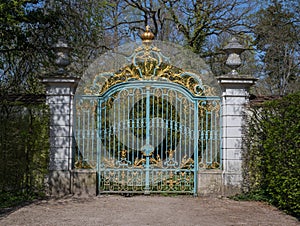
(244, 80)
(60, 79)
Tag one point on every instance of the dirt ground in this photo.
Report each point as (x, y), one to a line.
(146, 210)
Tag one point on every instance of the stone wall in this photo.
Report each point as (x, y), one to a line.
(84, 182)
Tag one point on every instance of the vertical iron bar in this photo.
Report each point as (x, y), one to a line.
(171, 124)
(215, 136)
(99, 144)
(78, 131)
(83, 134)
(163, 122)
(104, 129)
(196, 137)
(220, 133)
(206, 137)
(186, 143)
(92, 103)
(132, 125)
(142, 119)
(128, 122)
(157, 123)
(119, 127)
(147, 168)
(137, 124)
(167, 123)
(180, 125)
(211, 138)
(88, 135)
(123, 123)
(176, 127)
(116, 132)
(191, 132)
(202, 138)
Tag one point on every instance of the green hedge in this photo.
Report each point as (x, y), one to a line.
(24, 151)
(272, 153)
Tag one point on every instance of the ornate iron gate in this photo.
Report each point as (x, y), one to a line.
(148, 128)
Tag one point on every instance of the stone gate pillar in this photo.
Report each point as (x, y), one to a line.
(235, 96)
(60, 90)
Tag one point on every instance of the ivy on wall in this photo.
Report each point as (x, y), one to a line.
(272, 153)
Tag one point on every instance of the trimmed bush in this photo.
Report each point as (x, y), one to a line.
(24, 148)
(272, 153)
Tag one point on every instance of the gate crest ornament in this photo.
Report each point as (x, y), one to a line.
(148, 63)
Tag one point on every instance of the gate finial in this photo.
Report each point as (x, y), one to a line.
(62, 51)
(234, 50)
(148, 36)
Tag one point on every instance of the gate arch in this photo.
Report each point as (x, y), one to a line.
(148, 127)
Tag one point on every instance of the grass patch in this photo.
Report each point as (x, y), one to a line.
(252, 196)
(10, 199)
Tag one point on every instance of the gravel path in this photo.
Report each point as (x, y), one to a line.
(146, 210)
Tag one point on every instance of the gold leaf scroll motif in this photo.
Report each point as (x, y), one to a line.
(129, 72)
(186, 162)
(149, 69)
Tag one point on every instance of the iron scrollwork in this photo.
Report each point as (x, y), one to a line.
(148, 63)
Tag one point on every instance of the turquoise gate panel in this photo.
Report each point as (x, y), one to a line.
(147, 140)
(147, 137)
(148, 127)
